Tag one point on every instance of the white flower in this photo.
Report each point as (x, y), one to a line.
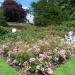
(4, 46)
(32, 59)
(42, 69)
(41, 59)
(56, 59)
(8, 60)
(38, 67)
(69, 36)
(70, 33)
(14, 62)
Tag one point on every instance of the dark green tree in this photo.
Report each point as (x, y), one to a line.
(1, 14)
(48, 12)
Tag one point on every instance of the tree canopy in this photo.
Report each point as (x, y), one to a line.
(1, 14)
(53, 11)
(13, 11)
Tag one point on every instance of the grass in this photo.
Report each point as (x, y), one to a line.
(67, 69)
(5, 69)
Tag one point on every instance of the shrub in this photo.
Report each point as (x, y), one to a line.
(70, 23)
(3, 23)
(3, 27)
(3, 30)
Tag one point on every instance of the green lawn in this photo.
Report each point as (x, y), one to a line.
(67, 69)
(5, 69)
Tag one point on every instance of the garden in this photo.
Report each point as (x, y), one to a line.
(38, 50)
(46, 47)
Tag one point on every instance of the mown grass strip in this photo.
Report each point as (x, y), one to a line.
(5, 69)
(67, 69)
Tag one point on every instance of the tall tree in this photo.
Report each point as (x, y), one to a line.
(72, 2)
(1, 14)
(14, 11)
(51, 11)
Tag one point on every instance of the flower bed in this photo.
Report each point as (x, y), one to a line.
(42, 57)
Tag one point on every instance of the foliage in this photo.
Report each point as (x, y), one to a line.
(4, 24)
(25, 36)
(14, 11)
(22, 57)
(52, 12)
(1, 14)
(72, 2)
(3, 30)
(3, 27)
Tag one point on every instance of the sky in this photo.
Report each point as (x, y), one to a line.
(25, 3)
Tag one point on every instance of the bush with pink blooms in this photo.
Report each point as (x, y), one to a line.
(35, 54)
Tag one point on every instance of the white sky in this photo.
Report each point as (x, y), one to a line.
(1, 1)
(0, 4)
(30, 18)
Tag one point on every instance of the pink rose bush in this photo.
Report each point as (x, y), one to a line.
(40, 57)
(34, 48)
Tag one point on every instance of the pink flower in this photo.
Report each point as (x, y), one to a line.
(35, 48)
(15, 49)
(1, 50)
(49, 71)
(44, 55)
(62, 53)
(46, 42)
(67, 44)
(41, 55)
